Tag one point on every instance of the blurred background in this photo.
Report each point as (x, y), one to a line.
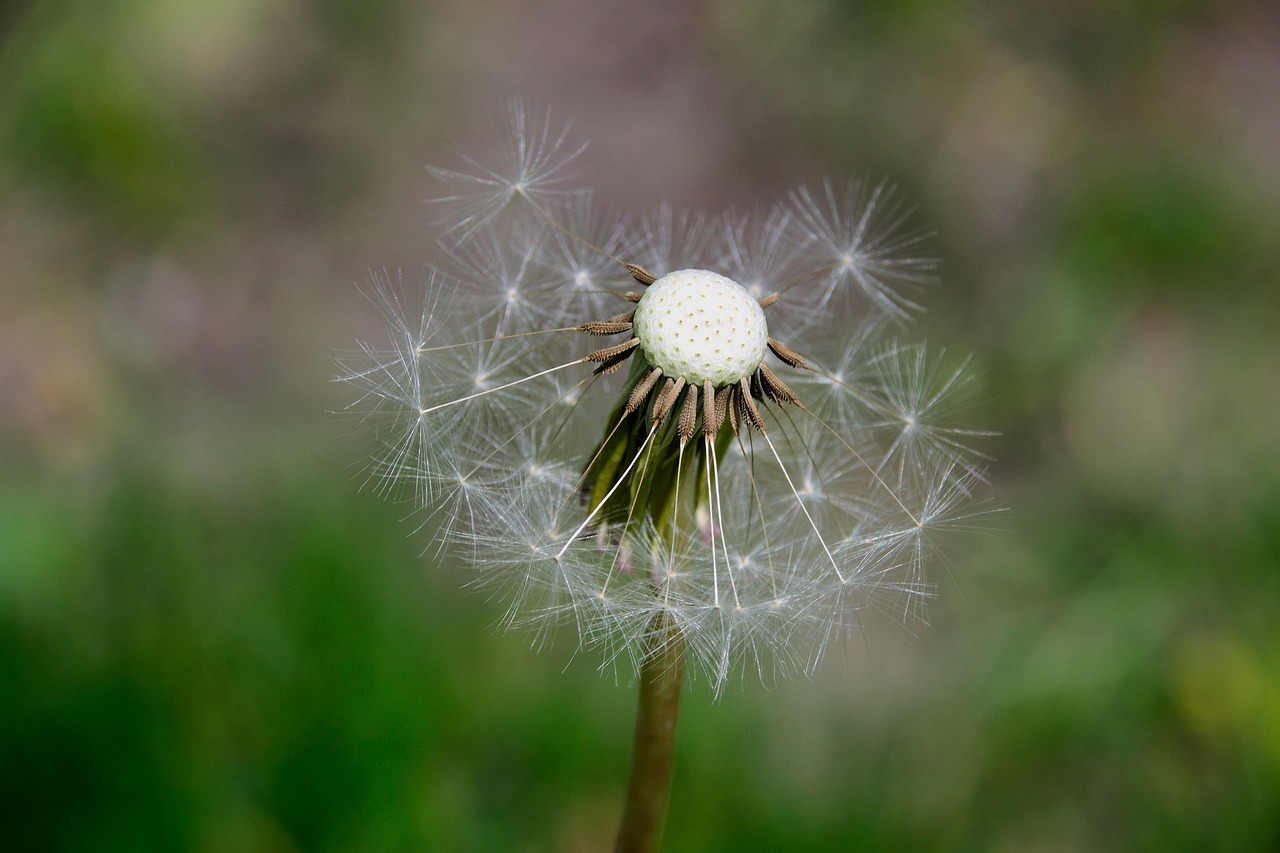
(213, 638)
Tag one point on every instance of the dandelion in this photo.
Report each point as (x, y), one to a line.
(685, 437)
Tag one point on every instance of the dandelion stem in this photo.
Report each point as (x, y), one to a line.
(653, 751)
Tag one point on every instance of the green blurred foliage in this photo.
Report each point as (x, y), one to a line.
(212, 638)
(80, 113)
(1160, 227)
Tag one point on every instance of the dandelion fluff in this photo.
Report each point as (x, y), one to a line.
(678, 419)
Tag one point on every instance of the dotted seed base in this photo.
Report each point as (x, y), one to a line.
(700, 325)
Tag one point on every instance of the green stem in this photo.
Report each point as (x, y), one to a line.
(653, 753)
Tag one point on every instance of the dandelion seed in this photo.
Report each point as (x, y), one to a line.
(530, 160)
(861, 249)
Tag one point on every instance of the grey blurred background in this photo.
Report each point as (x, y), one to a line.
(212, 638)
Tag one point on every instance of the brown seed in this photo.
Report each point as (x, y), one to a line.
(722, 408)
(603, 355)
(710, 421)
(774, 388)
(615, 325)
(641, 275)
(667, 399)
(787, 354)
(641, 392)
(749, 405)
(611, 358)
(688, 415)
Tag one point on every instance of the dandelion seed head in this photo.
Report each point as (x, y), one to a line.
(611, 418)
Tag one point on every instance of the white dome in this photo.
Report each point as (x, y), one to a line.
(700, 325)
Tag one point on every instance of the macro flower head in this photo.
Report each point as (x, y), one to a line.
(706, 421)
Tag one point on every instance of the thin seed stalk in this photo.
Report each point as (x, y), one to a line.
(653, 751)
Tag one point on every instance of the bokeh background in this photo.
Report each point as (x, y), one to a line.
(212, 638)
